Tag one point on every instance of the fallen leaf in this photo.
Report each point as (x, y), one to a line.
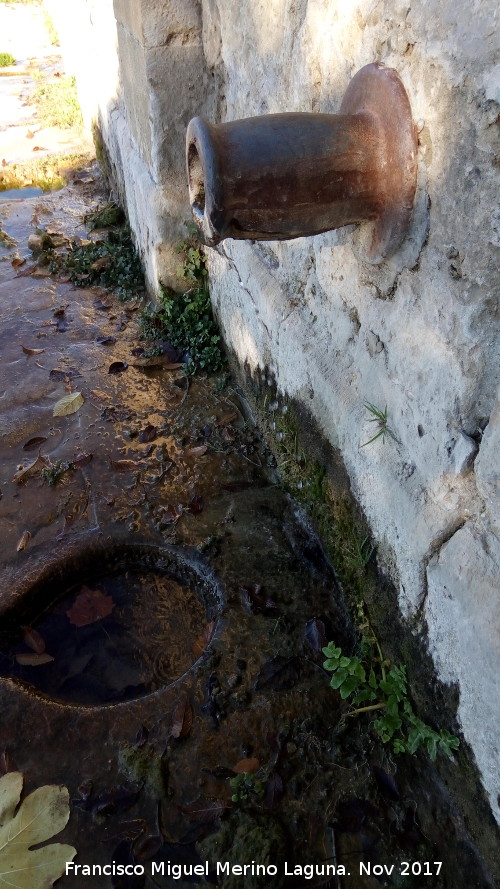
(40, 816)
(32, 351)
(33, 443)
(118, 799)
(278, 673)
(141, 736)
(89, 607)
(274, 790)
(6, 763)
(81, 460)
(163, 361)
(205, 809)
(17, 261)
(99, 396)
(315, 634)
(59, 373)
(182, 719)
(32, 659)
(149, 433)
(23, 541)
(197, 451)
(105, 340)
(126, 465)
(222, 773)
(256, 599)
(251, 764)
(101, 263)
(386, 783)
(130, 830)
(148, 847)
(203, 640)
(117, 367)
(34, 468)
(195, 505)
(33, 640)
(68, 404)
(227, 419)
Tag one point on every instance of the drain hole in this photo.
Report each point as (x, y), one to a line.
(113, 637)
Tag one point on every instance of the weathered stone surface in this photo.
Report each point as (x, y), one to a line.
(488, 467)
(463, 614)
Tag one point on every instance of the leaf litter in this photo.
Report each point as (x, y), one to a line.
(40, 816)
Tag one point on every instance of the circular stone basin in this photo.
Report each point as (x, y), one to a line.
(116, 634)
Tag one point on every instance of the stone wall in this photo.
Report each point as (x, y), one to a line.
(141, 76)
(418, 334)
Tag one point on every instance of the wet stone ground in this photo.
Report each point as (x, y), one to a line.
(164, 606)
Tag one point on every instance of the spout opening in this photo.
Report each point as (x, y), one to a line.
(196, 180)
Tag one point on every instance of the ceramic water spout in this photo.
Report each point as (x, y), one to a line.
(296, 174)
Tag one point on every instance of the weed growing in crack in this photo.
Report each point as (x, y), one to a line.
(186, 320)
(380, 418)
(112, 263)
(386, 692)
(246, 789)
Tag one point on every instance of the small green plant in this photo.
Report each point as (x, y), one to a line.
(185, 319)
(6, 59)
(112, 263)
(57, 102)
(380, 418)
(387, 692)
(246, 789)
(51, 474)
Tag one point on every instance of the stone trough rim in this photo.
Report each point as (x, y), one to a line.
(38, 568)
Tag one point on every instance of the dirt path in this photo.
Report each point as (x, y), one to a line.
(24, 139)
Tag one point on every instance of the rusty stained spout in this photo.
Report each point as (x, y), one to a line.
(297, 174)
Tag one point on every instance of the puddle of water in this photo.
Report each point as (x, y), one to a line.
(19, 194)
(147, 640)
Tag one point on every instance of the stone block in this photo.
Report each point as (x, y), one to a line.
(463, 615)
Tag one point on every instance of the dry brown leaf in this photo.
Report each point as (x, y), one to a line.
(101, 263)
(197, 451)
(23, 541)
(32, 351)
(227, 419)
(81, 460)
(32, 659)
(99, 395)
(89, 607)
(182, 719)
(31, 469)
(158, 361)
(33, 443)
(33, 640)
(68, 404)
(17, 262)
(126, 465)
(246, 765)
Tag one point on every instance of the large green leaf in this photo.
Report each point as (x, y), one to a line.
(42, 814)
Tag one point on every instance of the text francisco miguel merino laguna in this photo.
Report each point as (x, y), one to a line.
(221, 868)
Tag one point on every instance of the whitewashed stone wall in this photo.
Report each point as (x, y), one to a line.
(418, 334)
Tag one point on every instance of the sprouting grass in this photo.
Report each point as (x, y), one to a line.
(380, 418)
(6, 59)
(57, 102)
